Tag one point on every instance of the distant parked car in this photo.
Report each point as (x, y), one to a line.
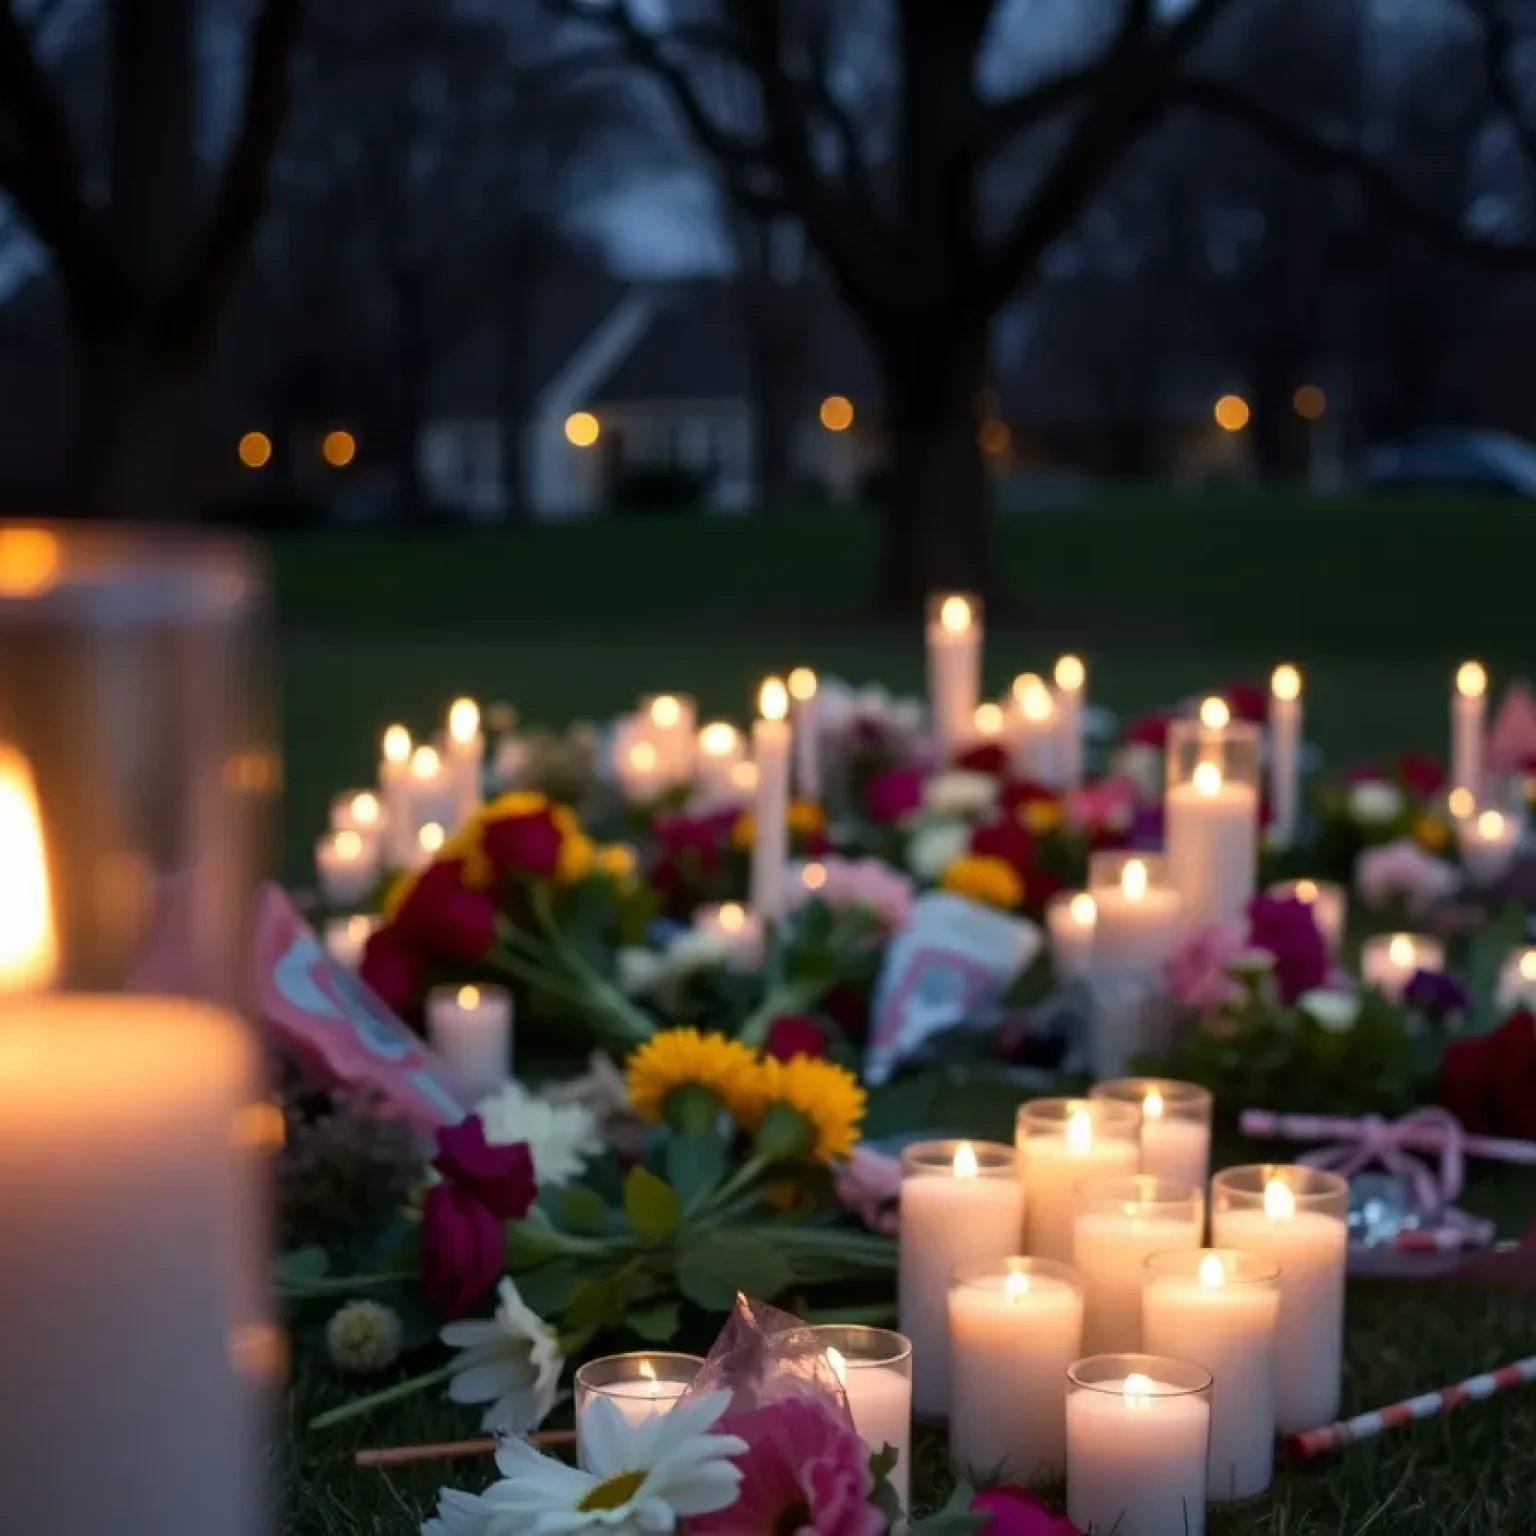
(1445, 459)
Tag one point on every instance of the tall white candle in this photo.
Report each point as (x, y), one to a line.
(641, 1386)
(802, 693)
(1212, 814)
(954, 668)
(395, 794)
(465, 749)
(1298, 1218)
(1517, 979)
(1015, 1325)
(1060, 1143)
(1285, 732)
(960, 1201)
(874, 1366)
(1487, 842)
(1329, 903)
(1389, 961)
(1120, 1223)
(1220, 1308)
(1175, 1126)
(347, 866)
(1035, 730)
(638, 766)
(1138, 1428)
(1071, 917)
(1071, 678)
(770, 840)
(1469, 722)
(471, 1027)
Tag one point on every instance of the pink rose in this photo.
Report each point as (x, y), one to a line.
(1196, 972)
(867, 883)
(1403, 869)
(869, 1185)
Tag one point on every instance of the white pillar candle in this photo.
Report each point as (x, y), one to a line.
(1120, 1222)
(874, 1366)
(1060, 1143)
(1139, 911)
(954, 637)
(1389, 961)
(638, 766)
(1329, 903)
(1220, 1308)
(640, 1386)
(960, 1201)
(347, 867)
(395, 796)
(719, 749)
(471, 1028)
(1175, 1126)
(1212, 814)
(1071, 917)
(1138, 1428)
(669, 725)
(1285, 732)
(1071, 678)
(770, 838)
(1469, 721)
(1035, 729)
(1299, 1218)
(347, 937)
(802, 693)
(465, 749)
(1015, 1325)
(1487, 841)
(357, 810)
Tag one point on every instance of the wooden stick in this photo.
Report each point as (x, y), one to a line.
(409, 1455)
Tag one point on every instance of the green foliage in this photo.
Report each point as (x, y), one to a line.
(713, 1268)
(695, 1167)
(651, 1204)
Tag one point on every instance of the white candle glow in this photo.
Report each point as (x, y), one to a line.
(347, 866)
(1212, 814)
(1329, 903)
(1060, 1143)
(1140, 922)
(433, 797)
(1175, 1126)
(640, 771)
(771, 737)
(347, 937)
(1298, 1218)
(1015, 1325)
(395, 795)
(1469, 723)
(1071, 917)
(1219, 1308)
(720, 748)
(802, 693)
(640, 1386)
(357, 810)
(1517, 979)
(471, 1028)
(1285, 731)
(954, 636)
(1071, 678)
(1487, 842)
(465, 750)
(960, 1201)
(740, 931)
(1389, 961)
(874, 1367)
(667, 720)
(1035, 730)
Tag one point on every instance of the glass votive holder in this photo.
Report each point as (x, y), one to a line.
(1517, 979)
(1139, 910)
(347, 937)
(1120, 1221)
(347, 867)
(1138, 1428)
(1329, 903)
(1175, 1125)
(1219, 1308)
(1060, 1143)
(1071, 918)
(1389, 961)
(1487, 841)
(1015, 1325)
(1211, 810)
(638, 1386)
(1298, 1218)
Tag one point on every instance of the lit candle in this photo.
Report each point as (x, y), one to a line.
(1138, 1428)
(1061, 1143)
(1035, 754)
(1071, 691)
(1517, 979)
(1071, 917)
(739, 931)
(1140, 918)
(639, 768)
(1219, 1308)
(1015, 1325)
(960, 1201)
(1487, 841)
(770, 842)
(395, 795)
(347, 865)
(669, 725)
(1329, 903)
(1285, 754)
(640, 1386)
(347, 937)
(1120, 1222)
(432, 790)
(1299, 1218)
(1175, 1126)
(1469, 718)
(466, 758)
(954, 668)
(1389, 961)
(1212, 814)
(802, 693)
(471, 1028)
(874, 1366)
(357, 810)
(720, 749)
(430, 838)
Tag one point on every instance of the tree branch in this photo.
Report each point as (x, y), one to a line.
(1498, 51)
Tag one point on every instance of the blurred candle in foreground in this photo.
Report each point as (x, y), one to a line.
(1469, 720)
(1071, 917)
(1071, 678)
(347, 937)
(719, 750)
(347, 865)
(471, 1027)
(802, 693)
(1035, 755)
(1487, 842)
(1389, 961)
(954, 668)
(1285, 754)
(771, 736)
(466, 758)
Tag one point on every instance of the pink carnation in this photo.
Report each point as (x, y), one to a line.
(1107, 806)
(1196, 972)
(869, 1184)
(866, 883)
(1403, 869)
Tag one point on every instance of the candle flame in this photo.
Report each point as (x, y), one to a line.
(348, 845)
(1400, 949)
(718, 739)
(1279, 1202)
(1285, 684)
(732, 917)
(1460, 803)
(839, 1365)
(1490, 824)
(425, 763)
(397, 744)
(1471, 680)
(1138, 1390)
(1214, 714)
(1083, 910)
(965, 1164)
(802, 685)
(1033, 697)
(1016, 1287)
(29, 957)
(1070, 674)
(955, 615)
(1152, 1105)
(1213, 1273)
(988, 720)
(1080, 1129)
(1207, 779)
(773, 699)
(1527, 965)
(1305, 890)
(365, 808)
(666, 712)
(469, 997)
(464, 721)
(647, 1373)
(1133, 880)
(432, 837)
(814, 876)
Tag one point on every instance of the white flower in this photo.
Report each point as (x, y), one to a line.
(638, 1479)
(1330, 1010)
(959, 793)
(695, 950)
(935, 846)
(562, 1138)
(1143, 766)
(511, 1362)
(458, 1514)
(1373, 802)
(638, 970)
(363, 1337)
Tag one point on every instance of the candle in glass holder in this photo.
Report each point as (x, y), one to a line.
(1071, 917)
(347, 866)
(347, 937)
(1329, 903)
(1015, 1325)
(874, 1366)
(740, 931)
(1138, 1429)
(641, 1386)
(1062, 1142)
(1389, 961)
(1298, 1218)
(465, 751)
(771, 737)
(1175, 1126)
(802, 694)
(1035, 730)
(1219, 1308)
(1212, 812)
(357, 810)
(1139, 911)
(1285, 754)
(1071, 678)
(668, 722)
(638, 767)
(395, 795)
(471, 1028)
(960, 1201)
(954, 635)
(1469, 724)
(719, 749)
(1487, 841)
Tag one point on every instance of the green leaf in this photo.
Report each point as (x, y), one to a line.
(881, 1464)
(651, 1204)
(599, 1303)
(581, 1210)
(656, 1324)
(715, 1267)
(955, 1519)
(548, 1289)
(303, 1266)
(695, 1166)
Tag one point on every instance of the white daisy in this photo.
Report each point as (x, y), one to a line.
(959, 792)
(458, 1514)
(638, 1480)
(638, 970)
(1330, 1009)
(562, 1138)
(511, 1362)
(934, 847)
(1374, 801)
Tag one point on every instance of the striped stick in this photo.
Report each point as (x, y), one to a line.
(1366, 1426)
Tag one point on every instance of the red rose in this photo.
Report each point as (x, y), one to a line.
(463, 1250)
(1422, 776)
(848, 1007)
(443, 919)
(1007, 840)
(1150, 731)
(524, 845)
(392, 971)
(891, 795)
(795, 1035)
(1019, 793)
(984, 757)
(500, 1178)
(1247, 702)
(1489, 1081)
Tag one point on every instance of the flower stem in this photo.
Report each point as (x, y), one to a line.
(790, 997)
(339, 1285)
(394, 1394)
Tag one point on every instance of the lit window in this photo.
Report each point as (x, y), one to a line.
(837, 413)
(582, 429)
(338, 449)
(255, 449)
(1232, 413)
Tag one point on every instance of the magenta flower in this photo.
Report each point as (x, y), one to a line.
(867, 883)
(1287, 928)
(1018, 1512)
(805, 1473)
(1196, 972)
(893, 795)
(463, 1250)
(499, 1178)
(1108, 806)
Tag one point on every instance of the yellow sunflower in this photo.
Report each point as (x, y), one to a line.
(810, 1108)
(517, 802)
(991, 881)
(686, 1077)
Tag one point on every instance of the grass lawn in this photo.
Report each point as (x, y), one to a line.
(1377, 600)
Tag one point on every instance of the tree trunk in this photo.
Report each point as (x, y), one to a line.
(776, 362)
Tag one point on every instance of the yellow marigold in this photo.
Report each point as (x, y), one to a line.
(992, 881)
(810, 1108)
(395, 897)
(1432, 833)
(617, 861)
(659, 1072)
(1040, 816)
(805, 818)
(465, 844)
(578, 857)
